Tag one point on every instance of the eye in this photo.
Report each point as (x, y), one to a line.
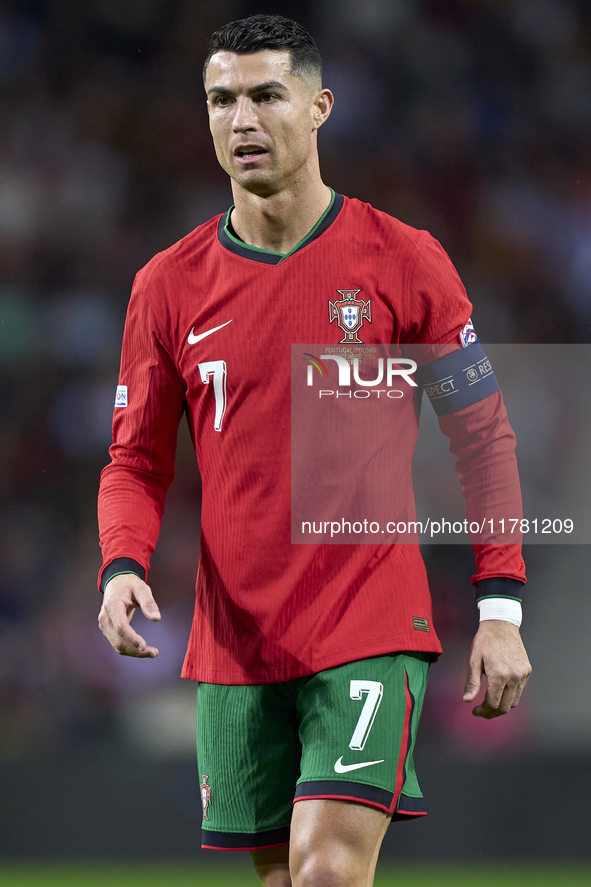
(222, 100)
(267, 97)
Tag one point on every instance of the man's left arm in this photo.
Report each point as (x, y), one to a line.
(484, 443)
(460, 383)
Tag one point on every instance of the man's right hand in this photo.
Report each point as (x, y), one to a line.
(123, 595)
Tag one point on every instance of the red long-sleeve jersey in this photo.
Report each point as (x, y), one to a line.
(209, 331)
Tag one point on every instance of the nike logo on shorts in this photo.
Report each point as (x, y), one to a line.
(193, 339)
(339, 767)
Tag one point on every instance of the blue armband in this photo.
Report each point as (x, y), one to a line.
(458, 380)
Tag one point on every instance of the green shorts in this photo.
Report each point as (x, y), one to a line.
(346, 733)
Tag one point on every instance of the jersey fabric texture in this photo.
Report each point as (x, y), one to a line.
(208, 334)
(347, 733)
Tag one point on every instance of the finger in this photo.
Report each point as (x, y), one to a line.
(472, 686)
(132, 644)
(143, 652)
(124, 639)
(505, 703)
(148, 605)
(128, 642)
(485, 710)
(499, 680)
(519, 691)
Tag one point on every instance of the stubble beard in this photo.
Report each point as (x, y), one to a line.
(256, 182)
(267, 182)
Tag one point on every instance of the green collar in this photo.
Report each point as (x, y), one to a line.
(230, 241)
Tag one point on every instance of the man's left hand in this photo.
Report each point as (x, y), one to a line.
(498, 653)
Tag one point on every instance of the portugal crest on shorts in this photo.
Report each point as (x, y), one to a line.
(205, 795)
(349, 314)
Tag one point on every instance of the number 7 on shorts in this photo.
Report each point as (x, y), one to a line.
(375, 691)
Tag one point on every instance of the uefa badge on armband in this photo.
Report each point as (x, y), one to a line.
(468, 334)
(205, 795)
(121, 396)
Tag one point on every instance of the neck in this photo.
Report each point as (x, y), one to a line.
(279, 221)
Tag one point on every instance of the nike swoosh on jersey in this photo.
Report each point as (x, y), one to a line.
(192, 338)
(339, 767)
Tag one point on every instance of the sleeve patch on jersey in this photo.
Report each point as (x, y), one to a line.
(468, 334)
(458, 380)
(121, 396)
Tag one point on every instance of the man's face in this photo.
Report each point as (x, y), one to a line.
(263, 119)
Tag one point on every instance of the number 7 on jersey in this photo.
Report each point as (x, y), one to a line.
(217, 369)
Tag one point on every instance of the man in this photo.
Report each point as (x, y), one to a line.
(311, 659)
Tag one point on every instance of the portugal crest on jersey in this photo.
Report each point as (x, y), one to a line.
(349, 314)
(205, 795)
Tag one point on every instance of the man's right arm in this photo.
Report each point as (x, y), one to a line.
(148, 409)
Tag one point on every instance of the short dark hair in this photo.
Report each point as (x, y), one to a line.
(258, 32)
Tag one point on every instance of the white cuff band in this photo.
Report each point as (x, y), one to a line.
(500, 608)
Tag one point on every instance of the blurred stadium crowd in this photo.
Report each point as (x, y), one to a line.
(471, 118)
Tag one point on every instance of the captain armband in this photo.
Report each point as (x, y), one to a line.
(458, 380)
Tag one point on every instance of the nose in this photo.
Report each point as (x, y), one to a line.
(245, 118)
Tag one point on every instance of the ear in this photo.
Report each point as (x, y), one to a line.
(323, 102)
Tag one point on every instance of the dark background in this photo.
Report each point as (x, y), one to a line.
(470, 119)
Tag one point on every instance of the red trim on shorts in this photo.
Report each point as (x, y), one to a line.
(231, 849)
(342, 798)
(404, 743)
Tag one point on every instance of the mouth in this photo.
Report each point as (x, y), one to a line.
(249, 153)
